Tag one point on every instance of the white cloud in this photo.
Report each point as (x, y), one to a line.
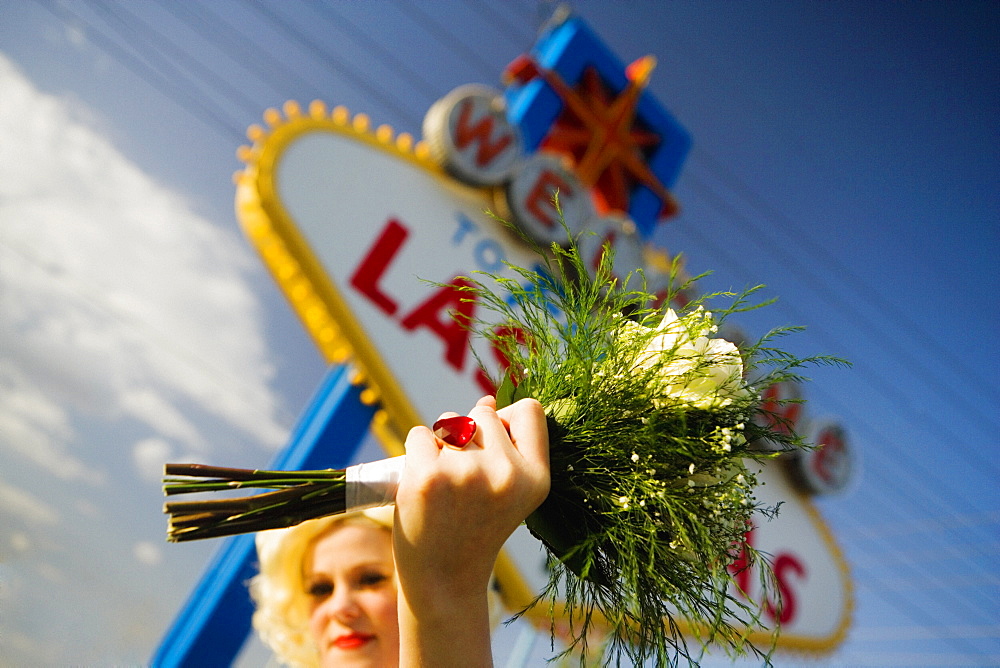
(19, 541)
(87, 509)
(147, 553)
(149, 456)
(25, 506)
(75, 35)
(128, 333)
(51, 573)
(152, 407)
(116, 300)
(35, 428)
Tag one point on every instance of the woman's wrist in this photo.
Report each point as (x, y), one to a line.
(444, 630)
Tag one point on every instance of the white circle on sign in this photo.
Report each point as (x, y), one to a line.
(782, 409)
(468, 133)
(618, 234)
(829, 467)
(530, 198)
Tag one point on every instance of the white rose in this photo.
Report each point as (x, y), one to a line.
(691, 367)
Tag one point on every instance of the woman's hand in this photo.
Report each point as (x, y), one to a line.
(455, 508)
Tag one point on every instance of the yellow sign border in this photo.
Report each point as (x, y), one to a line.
(294, 267)
(341, 339)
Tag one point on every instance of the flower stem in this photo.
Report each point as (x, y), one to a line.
(298, 496)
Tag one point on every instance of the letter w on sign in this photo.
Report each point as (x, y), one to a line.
(479, 130)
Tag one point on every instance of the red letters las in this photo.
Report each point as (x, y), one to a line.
(447, 313)
(782, 605)
(366, 277)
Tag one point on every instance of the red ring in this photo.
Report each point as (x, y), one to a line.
(456, 431)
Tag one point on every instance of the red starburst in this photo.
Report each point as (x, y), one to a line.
(598, 129)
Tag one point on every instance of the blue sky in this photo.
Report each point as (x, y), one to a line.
(845, 154)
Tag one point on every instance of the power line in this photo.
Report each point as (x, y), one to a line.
(884, 385)
(193, 104)
(769, 212)
(171, 58)
(380, 54)
(904, 556)
(807, 276)
(239, 47)
(923, 618)
(514, 32)
(932, 484)
(364, 40)
(439, 34)
(335, 65)
(944, 523)
(915, 362)
(881, 633)
(901, 492)
(445, 38)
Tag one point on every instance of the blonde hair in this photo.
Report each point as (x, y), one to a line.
(279, 592)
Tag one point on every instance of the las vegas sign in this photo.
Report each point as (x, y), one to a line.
(368, 233)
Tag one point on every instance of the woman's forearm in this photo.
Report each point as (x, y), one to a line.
(443, 632)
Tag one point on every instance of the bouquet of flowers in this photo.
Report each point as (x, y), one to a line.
(653, 422)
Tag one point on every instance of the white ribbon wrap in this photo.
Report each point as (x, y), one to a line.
(373, 484)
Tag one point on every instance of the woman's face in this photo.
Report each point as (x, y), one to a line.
(351, 582)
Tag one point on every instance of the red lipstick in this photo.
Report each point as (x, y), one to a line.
(352, 640)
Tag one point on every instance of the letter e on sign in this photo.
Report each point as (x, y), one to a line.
(529, 198)
(618, 234)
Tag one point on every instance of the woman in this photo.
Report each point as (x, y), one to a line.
(455, 508)
(326, 592)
